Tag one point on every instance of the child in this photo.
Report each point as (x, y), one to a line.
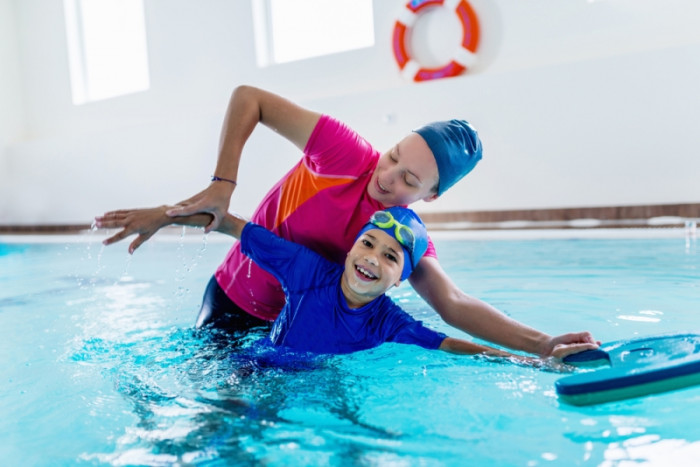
(331, 308)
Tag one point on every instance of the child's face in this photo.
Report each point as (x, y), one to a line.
(373, 265)
(405, 174)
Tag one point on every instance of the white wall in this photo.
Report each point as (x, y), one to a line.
(11, 110)
(11, 117)
(579, 103)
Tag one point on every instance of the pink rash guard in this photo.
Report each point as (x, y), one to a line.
(321, 203)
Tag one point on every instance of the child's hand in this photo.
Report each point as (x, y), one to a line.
(566, 344)
(144, 222)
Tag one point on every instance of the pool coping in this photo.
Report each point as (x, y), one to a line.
(192, 235)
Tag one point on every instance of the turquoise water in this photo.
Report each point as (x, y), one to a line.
(100, 365)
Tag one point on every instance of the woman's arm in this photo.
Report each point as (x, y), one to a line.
(247, 107)
(482, 320)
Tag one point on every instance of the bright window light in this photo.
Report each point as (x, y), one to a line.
(289, 30)
(106, 48)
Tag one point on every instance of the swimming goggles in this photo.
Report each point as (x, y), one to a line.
(402, 233)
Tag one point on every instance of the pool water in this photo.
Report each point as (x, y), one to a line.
(101, 366)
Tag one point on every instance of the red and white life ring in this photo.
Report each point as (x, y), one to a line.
(466, 56)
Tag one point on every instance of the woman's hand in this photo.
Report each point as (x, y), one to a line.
(213, 200)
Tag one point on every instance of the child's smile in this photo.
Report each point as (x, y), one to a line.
(373, 265)
(364, 274)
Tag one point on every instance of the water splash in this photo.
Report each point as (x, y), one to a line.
(91, 237)
(98, 269)
(188, 265)
(200, 253)
(125, 276)
(181, 272)
(87, 257)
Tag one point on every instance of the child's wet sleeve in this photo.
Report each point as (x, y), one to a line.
(404, 329)
(292, 264)
(269, 251)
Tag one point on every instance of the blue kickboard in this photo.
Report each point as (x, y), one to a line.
(633, 368)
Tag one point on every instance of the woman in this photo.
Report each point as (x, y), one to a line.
(323, 202)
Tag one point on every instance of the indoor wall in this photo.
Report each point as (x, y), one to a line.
(579, 103)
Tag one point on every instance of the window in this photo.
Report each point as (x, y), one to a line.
(106, 48)
(289, 30)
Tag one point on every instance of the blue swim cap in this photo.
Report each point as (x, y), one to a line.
(456, 147)
(398, 219)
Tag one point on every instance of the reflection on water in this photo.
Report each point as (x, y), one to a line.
(652, 450)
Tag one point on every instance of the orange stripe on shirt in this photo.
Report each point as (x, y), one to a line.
(300, 186)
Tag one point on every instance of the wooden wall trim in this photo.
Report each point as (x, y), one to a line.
(579, 217)
(591, 217)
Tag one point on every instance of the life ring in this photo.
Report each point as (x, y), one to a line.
(466, 56)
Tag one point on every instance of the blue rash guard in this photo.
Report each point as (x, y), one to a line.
(316, 317)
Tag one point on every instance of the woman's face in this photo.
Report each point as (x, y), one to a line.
(405, 174)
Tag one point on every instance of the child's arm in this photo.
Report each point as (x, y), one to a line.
(146, 222)
(231, 224)
(463, 347)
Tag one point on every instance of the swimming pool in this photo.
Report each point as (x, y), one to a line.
(101, 365)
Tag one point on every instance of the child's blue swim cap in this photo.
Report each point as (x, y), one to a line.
(407, 228)
(456, 147)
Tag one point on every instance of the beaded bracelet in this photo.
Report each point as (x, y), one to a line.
(214, 178)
